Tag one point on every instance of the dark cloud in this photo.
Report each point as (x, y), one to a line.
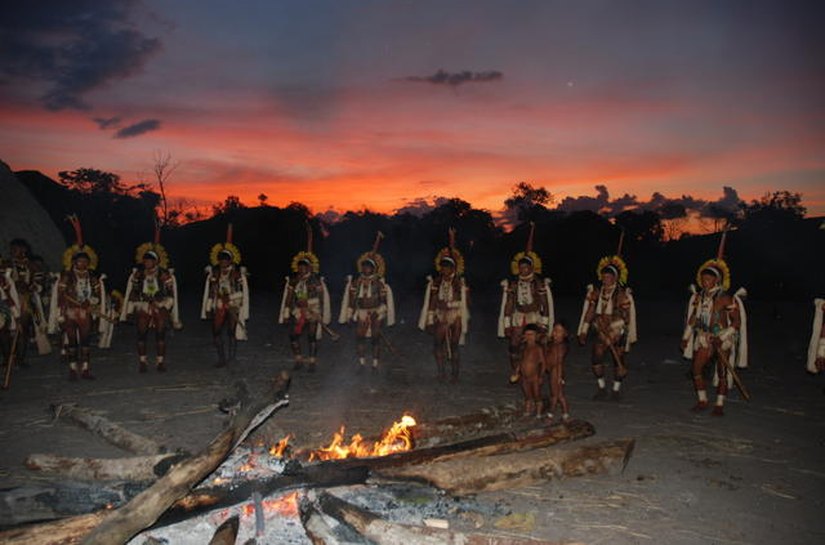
(107, 123)
(728, 205)
(584, 202)
(668, 208)
(420, 206)
(136, 129)
(442, 77)
(71, 48)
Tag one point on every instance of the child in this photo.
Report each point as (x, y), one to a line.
(531, 370)
(554, 356)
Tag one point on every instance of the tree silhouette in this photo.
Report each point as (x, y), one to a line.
(776, 207)
(162, 168)
(526, 201)
(92, 180)
(230, 205)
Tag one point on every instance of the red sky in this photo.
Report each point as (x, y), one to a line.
(344, 108)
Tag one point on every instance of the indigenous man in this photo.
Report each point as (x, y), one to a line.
(526, 299)
(152, 297)
(610, 311)
(445, 312)
(816, 348)
(715, 331)
(9, 310)
(368, 301)
(226, 297)
(78, 296)
(305, 306)
(29, 282)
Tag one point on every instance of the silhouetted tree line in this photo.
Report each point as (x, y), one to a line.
(773, 250)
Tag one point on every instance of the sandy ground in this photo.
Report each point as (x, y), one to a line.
(754, 476)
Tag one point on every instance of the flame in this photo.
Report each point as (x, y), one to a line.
(279, 449)
(397, 439)
(286, 506)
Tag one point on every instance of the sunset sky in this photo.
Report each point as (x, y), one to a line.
(346, 104)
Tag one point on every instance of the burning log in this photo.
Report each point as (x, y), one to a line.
(359, 470)
(143, 510)
(471, 475)
(136, 469)
(61, 500)
(383, 532)
(108, 430)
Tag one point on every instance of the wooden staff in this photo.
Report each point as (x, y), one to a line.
(736, 380)
(10, 360)
(616, 356)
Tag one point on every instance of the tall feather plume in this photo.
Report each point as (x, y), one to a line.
(157, 231)
(309, 237)
(378, 236)
(229, 233)
(621, 242)
(78, 232)
(720, 254)
(451, 233)
(530, 237)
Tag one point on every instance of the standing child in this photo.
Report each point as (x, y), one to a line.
(554, 356)
(531, 370)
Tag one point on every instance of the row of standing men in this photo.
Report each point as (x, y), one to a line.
(715, 333)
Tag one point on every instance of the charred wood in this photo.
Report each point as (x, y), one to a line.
(227, 532)
(383, 532)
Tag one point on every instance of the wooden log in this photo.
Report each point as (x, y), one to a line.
(462, 426)
(472, 475)
(135, 469)
(319, 531)
(383, 532)
(60, 532)
(143, 510)
(49, 501)
(108, 430)
(227, 532)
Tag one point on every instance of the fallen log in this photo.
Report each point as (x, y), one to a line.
(460, 426)
(49, 501)
(108, 430)
(60, 532)
(135, 469)
(383, 532)
(143, 510)
(471, 475)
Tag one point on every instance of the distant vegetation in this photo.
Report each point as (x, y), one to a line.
(773, 249)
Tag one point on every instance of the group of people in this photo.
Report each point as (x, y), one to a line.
(715, 333)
